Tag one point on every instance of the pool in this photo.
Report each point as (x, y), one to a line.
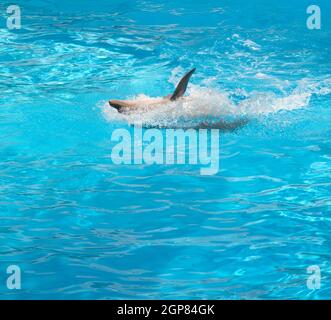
(80, 226)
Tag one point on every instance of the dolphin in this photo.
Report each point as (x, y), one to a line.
(128, 106)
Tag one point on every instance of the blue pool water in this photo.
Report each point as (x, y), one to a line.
(80, 226)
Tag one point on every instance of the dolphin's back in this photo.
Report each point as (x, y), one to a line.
(127, 105)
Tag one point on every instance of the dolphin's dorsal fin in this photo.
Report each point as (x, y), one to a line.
(182, 85)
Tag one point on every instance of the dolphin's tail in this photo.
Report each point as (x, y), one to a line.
(182, 85)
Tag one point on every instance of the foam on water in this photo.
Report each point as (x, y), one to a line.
(203, 103)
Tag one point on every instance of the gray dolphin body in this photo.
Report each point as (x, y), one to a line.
(127, 106)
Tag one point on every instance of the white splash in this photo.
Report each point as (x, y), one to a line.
(201, 103)
(206, 103)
